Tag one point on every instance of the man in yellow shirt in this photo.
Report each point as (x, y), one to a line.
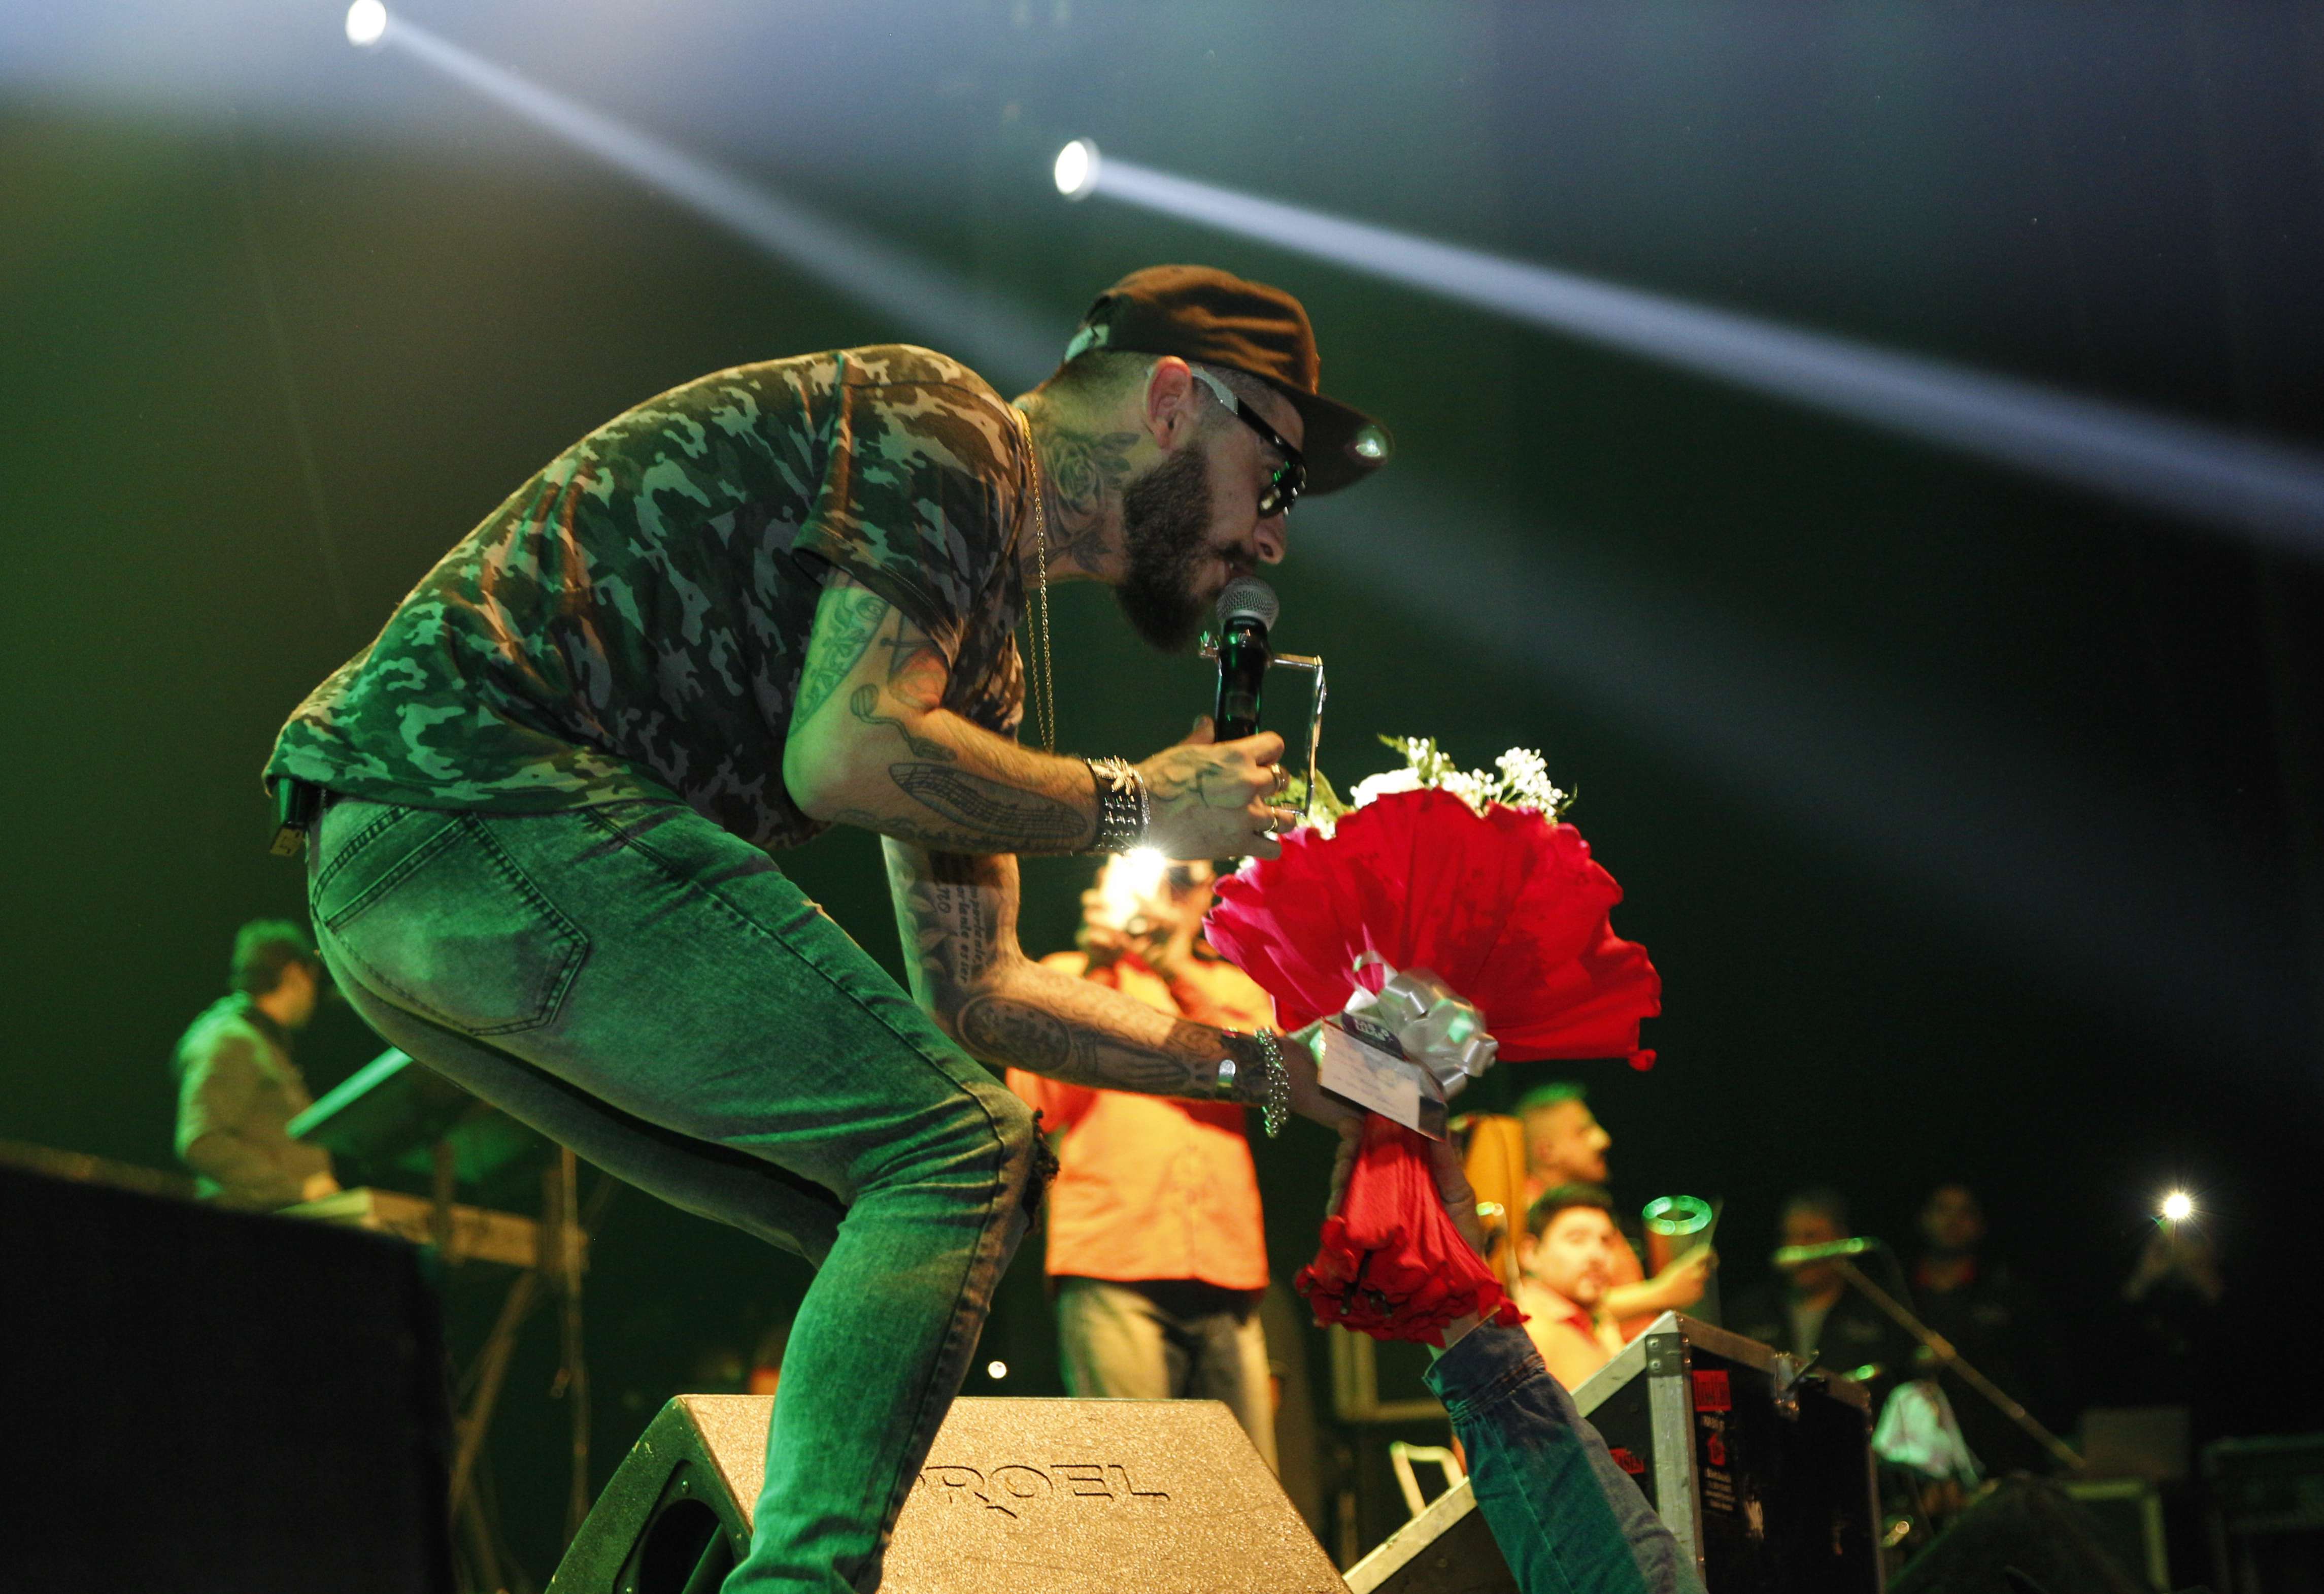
(1156, 1252)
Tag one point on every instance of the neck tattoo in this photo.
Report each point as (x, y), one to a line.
(1045, 695)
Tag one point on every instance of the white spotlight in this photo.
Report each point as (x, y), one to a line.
(996, 1369)
(366, 23)
(1076, 170)
(2177, 1207)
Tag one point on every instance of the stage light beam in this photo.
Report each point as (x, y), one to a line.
(2177, 1207)
(2248, 486)
(366, 23)
(910, 296)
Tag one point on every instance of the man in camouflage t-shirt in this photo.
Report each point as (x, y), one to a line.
(779, 598)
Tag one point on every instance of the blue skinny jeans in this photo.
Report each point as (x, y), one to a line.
(1566, 1518)
(637, 983)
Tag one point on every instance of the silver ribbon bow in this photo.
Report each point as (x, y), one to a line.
(1437, 1028)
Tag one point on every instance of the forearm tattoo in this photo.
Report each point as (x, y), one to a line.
(954, 912)
(1030, 822)
(1084, 1042)
(949, 922)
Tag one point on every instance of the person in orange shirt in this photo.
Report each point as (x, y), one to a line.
(1568, 1262)
(1156, 1254)
(1566, 1144)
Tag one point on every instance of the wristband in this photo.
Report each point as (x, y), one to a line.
(1273, 1101)
(1121, 804)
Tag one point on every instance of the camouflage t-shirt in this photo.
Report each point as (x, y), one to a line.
(633, 621)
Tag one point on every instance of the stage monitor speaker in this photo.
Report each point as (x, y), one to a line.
(1763, 1476)
(2025, 1533)
(214, 1402)
(1036, 1496)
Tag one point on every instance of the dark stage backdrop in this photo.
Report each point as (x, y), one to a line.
(1973, 823)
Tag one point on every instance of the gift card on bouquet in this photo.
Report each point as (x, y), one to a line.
(1362, 1061)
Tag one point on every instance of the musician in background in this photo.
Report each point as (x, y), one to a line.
(1156, 1254)
(238, 1087)
(1566, 1144)
(1568, 1262)
(2003, 1327)
(1811, 1312)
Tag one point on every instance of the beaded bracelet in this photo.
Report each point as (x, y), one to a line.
(1276, 1110)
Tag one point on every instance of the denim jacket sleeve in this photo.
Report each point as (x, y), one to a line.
(1567, 1519)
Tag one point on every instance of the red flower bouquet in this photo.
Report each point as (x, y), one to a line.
(1507, 907)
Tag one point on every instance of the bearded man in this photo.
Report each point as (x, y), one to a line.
(540, 812)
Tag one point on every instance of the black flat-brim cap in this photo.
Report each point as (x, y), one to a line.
(1205, 315)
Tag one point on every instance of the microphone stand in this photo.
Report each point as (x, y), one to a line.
(1941, 1349)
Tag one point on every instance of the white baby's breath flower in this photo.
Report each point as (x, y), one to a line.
(1519, 765)
(1525, 784)
(1470, 786)
(1521, 778)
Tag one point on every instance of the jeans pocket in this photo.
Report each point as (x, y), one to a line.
(439, 918)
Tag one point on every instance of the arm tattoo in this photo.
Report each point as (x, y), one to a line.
(947, 930)
(846, 623)
(987, 815)
(864, 702)
(1016, 1032)
(956, 914)
(1057, 1039)
(1003, 814)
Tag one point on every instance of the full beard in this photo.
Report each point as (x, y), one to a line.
(1165, 517)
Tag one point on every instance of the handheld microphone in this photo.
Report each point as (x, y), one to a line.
(1246, 609)
(1792, 1255)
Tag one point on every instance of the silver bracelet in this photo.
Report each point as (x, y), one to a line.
(1122, 808)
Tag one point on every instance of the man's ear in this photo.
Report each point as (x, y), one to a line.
(1169, 413)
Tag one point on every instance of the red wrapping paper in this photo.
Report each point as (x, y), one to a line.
(1507, 905)
(1509, 909)
(1392, 1263)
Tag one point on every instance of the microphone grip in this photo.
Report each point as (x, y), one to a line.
(1242, 668)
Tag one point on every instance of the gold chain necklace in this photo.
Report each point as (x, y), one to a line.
(1045, 699)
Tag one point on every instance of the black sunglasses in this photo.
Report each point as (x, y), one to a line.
(1290, 478)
